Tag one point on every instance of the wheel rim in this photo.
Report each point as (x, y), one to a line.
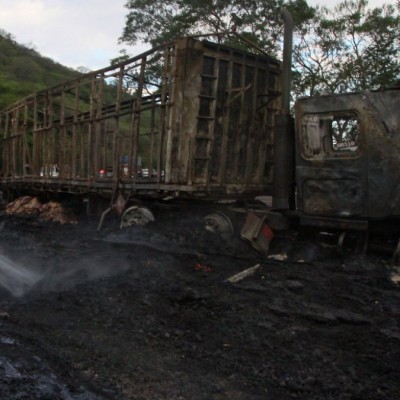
(136, 215)
(218, 222)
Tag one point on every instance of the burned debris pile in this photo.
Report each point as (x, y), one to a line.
(49, 211)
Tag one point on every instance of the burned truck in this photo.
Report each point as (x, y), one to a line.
(196, 119)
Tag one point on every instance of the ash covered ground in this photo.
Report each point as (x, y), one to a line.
(146, 313)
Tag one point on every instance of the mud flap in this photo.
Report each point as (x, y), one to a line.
(257, 232)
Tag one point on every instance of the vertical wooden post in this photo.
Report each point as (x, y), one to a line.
(135, 123)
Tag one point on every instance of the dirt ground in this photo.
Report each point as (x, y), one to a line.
(146, 313)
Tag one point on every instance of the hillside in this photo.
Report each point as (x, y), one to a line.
(23, 70)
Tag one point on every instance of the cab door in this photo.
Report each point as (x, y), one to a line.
(331, 165)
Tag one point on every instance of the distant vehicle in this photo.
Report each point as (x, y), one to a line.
(141, 172)
(106, 172)
(149, 173)
(51, 171)
(144, 173)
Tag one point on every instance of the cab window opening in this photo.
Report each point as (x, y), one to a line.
(330, 136)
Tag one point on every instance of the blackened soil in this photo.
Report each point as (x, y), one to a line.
(146, 313)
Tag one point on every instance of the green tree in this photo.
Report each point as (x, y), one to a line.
(348, 48)
(157, 21)
(23, 70)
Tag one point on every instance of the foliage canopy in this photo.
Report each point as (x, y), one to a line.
(348, 48)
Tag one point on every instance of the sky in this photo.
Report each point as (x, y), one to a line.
(74, 33)
(80, 33)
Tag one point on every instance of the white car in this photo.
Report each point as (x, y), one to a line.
(50, 171)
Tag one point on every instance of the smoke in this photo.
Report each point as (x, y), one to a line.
(71, 274)
(16, 278)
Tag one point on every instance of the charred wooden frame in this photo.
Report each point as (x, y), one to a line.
(188, 117)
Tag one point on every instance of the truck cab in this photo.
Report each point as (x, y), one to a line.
(347, 164)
